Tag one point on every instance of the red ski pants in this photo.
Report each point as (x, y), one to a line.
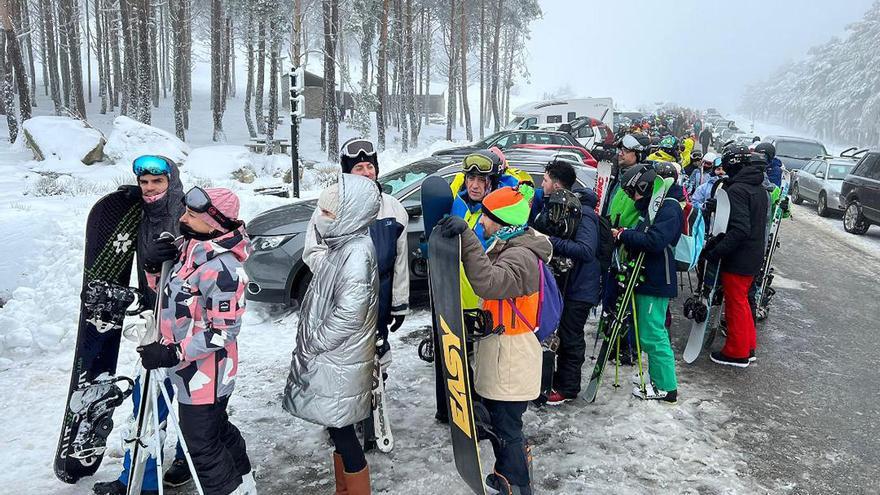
(741, 336)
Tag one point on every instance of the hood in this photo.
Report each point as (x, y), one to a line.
(358, 206)
(750, 174)
(774, 163)
(588, 197)
(163, 215)
(533, 240)
(287, 219)
(200, 252)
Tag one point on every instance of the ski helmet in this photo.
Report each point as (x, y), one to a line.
(562, 215)
(482, 162)
(767, 149)
(696, 156)
(638, 179)
(759, 160)
(734, 158)
(669, 144)
(635, 142)
(357, 150)
(709, 159)
(666, 170)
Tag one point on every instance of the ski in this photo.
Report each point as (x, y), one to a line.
(765, 291)
(603, 185)
(377, 428)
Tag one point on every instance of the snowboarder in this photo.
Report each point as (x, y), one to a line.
(741, 251)
(331, 370)
(203, 303)
(507, 365)
(581, 290)
(652, 295)
(160, 189)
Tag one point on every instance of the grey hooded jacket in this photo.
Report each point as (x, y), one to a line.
(332, 367)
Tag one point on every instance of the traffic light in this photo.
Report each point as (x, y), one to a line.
(297, 99)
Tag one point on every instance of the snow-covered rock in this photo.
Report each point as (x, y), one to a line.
(131, 139)
(63, 138)
(233, 162)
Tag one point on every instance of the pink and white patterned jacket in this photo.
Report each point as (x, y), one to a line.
(202, 305)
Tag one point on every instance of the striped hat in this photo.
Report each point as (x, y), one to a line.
(509, 205)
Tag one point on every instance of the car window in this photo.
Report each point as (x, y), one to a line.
(822, 169)
(862, 170)
(554, 119)
(534, 138)
(397, 181)
(585, 132)
(530, 122)
(811, 167)
(486, 142)
(799, 149)
(839, 171)
(415, 197)
(872, 168)
(572, 116)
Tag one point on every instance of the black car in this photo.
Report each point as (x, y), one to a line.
(507, 139)
(860, 193)
(276, 271)
(795, 152)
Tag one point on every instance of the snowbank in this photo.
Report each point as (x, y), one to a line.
(63, 138)
(229, 161)
(131, 139)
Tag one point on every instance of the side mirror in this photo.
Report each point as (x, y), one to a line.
(820, 174)
(414, 211)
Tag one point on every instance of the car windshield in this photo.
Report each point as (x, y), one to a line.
(839, 171)
(485, 143)
(799, 149)
(399, 180)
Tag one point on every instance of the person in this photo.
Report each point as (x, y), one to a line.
(581, 290)
(687, 146)
(774, 164)
(706, 138)
(704, 192)
(667, 151)
(655, 239)
(507, 366)
(201, 313)
(506, 175)
(701, 172)
(388, 233)
(741, 252)
(331, 370)
(161, 192)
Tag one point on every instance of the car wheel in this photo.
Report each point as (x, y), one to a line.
(822, 205)
(795, 195)
(853, 220)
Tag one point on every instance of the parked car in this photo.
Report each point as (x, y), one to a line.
(276, 271)
(744, 139)
(820, 182)
(584, 156)
(508, 139)
(860, 194)
(795, 152)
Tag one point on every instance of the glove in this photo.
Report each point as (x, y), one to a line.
(710, 205)
(158, 252)
(396, 322)
(132, 193)
(156, 355)
(452, 226)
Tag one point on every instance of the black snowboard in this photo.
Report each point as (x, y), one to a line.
(444, 259)
(111, 239)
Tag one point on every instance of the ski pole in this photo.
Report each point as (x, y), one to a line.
(635, 318)
(157, 436)
(186, 454)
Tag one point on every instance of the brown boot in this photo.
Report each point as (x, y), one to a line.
(358, 483)
(339, 474)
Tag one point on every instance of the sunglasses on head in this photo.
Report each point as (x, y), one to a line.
(197, 200)
(152, 165)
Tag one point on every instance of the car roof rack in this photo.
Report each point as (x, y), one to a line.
(853, 152)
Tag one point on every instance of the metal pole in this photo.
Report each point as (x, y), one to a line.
(294, 154)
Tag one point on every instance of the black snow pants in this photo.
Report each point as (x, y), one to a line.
(572, 350)
(217, 448)
(509, 444)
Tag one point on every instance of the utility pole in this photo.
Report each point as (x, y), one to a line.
(297, 111)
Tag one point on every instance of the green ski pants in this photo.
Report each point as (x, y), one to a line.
(654, 339)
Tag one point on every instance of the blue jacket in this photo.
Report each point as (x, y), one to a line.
(471, 212)
(774, 171)
(583, 281)
(657, 241)
(703, 192)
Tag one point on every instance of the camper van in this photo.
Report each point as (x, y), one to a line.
(536, 115)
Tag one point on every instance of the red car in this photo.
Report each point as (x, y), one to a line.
(585, 155)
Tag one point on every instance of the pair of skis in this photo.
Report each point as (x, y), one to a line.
(765, 292)
(377, 427)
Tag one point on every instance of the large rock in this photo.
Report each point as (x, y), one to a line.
(131, 139)
(63, 138)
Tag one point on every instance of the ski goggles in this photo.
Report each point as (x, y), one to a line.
(197, 200)
(358, 147)
(630, 143)
(152, 165)
(478, 164)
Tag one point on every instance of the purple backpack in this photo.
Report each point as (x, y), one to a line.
(549, 305)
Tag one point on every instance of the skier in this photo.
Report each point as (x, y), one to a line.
(652, 295)
(582, 288)
(161, 192)
(667, 150)
(507, 175)
(202, 306)
(703, 193)
(507, 366)
(774, 165)
(701, 172)
(706, 138)
(741, 251)
(331, 371)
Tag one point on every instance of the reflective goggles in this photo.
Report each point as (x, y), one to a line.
(197, 200)
(152, 165)
(478, 164)
(358, 147)
(630, 143)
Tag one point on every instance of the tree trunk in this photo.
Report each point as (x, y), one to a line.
(428, 49)
(400, 75)
(175, 11)
(331, 10)
(127, 78)
(382, 75)
(88, 52)
(64, 21)
(450, 86)
(29, 49)
(44, 58)
(249, 90)
(409, 64)
(466, 110)
(111, 54)
(52, 60)
(7, 90)
(496, 112)
(14, 62)
(99, 56)
(296, 32)
(482, 67)
(152, 25)
(230, 46)
(261, 72)
(145, 64)
(273, 92)
(216, 69)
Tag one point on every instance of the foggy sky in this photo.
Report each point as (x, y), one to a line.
(695, 52)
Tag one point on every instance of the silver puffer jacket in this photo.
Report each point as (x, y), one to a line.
(332, 367)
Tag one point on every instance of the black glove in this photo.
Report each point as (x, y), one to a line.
(709, 205)
(156, 355)
(133, 193)
(396, 322)
(157, 252)
(451, 226)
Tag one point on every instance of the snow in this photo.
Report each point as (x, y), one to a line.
(131, 139)
(62, 138)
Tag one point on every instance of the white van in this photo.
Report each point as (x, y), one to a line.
(537, 114)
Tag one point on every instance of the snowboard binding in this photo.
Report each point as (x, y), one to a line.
(94, 404)
(104, 303)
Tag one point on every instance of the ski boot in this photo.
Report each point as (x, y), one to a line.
(94, 404)
(116, 487)
(178, 474)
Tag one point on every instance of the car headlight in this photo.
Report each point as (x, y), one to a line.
(269, 242)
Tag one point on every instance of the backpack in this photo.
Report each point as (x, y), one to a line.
(690, 244)
(605, 253)
(549, 305)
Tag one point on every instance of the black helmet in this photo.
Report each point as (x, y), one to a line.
(638, 179)
(666, 170)
(759, 160)
(734, 158)
(696, 156)
(767, 149)
(482, 162)
(563, 215)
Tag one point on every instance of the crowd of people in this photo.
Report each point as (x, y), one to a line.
(509, 227)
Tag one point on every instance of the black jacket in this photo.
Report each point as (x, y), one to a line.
(742, 247)
(583, 281)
